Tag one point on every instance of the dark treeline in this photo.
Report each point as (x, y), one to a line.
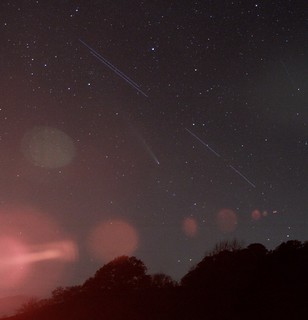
(229, 283)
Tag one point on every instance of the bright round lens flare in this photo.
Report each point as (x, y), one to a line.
(113, 238)
(190, 227)
(48, 147)
(256, 214)
(226, 220)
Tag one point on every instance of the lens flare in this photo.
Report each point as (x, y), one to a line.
(33, 252)
(48, 147)
(190, 227)
(256, 214)
(62, 250)
(113, 238)
(12, 269)
(227, 220)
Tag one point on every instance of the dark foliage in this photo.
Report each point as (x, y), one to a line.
(230, 283)
(123, 273)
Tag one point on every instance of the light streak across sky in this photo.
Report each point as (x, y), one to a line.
(114, 68)
(240, 174)
(218, 155)
(204, 143)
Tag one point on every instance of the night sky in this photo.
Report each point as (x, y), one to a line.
(147, 128)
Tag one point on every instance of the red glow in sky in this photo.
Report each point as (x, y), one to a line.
(226, 220)
(12, 269)
(113, 238)
(256, 214)
(190, 227)
(32, 251)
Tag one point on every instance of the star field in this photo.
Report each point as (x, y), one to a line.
(183, 123)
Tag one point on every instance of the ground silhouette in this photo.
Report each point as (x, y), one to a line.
(229, 283)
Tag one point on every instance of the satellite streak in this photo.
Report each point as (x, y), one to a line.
(114, 68)
(205, 144)
(108, 63)
(120, 75)
(218, 155)
(240, 174)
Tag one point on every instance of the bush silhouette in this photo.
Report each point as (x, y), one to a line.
(121, 273)
(231, 282)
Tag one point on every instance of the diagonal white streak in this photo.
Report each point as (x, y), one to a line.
(240, 174)
(204, 143)
(108, 63)
(218, 155)
(114, 68)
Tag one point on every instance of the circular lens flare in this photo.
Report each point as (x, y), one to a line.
(48, 147)
(256, 214)
(190, 227)
(113, 238)
(227, 220)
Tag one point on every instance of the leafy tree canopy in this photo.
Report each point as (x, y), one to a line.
(121, 273)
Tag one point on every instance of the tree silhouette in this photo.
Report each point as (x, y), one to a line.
(61, 294)
(232, 283)
(162, 281)
(121, 273)
(258, 249)
(32, 304)
(227, 245)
